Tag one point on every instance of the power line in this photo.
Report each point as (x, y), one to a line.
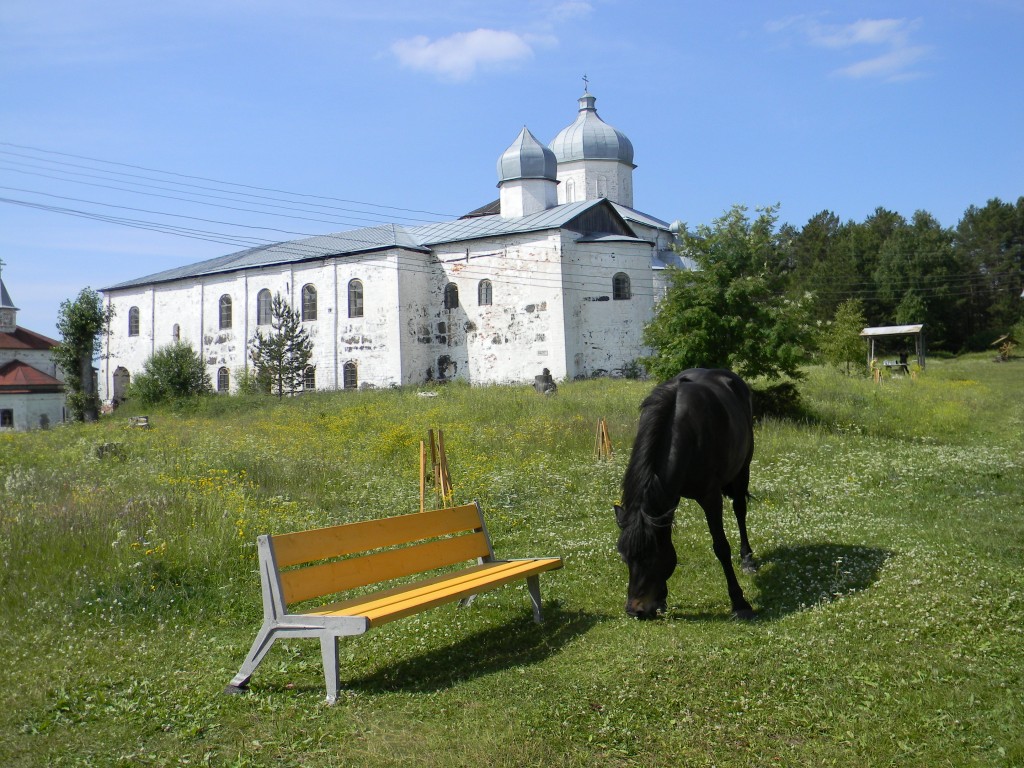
(224, 183)
(359, 220)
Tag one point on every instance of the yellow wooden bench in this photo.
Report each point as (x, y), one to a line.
(309, 565)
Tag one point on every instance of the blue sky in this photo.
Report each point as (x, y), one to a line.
(342, 114)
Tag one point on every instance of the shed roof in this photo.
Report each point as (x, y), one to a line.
(893, 330)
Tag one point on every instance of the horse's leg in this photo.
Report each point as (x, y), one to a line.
(739, 507)
(712, 506)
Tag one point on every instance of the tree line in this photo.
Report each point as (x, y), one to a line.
(764, 297)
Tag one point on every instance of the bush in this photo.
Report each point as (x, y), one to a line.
(173, 372)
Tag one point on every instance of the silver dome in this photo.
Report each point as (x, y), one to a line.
(591, 138)
(527, 158)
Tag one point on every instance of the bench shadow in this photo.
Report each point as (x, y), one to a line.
(793, 579)
(516, 642)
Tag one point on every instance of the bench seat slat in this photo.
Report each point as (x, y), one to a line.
(342, 575)
(350, 538)
(382, 607)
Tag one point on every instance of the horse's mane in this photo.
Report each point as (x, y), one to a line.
(641, 487)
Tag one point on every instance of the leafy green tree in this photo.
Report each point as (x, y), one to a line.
(732, 311)
(990, 241)
(173, 372)
(80, 323)
(840, 342)
(282, 356)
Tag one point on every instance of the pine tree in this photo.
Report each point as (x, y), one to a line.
(840, 343)
(282, 356)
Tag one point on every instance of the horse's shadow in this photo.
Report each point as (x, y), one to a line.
(514, 643)
(793, 579)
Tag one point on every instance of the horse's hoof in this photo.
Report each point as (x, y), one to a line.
(746, 614)
(748, 565)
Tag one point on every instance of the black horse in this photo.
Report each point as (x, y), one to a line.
(695, 440)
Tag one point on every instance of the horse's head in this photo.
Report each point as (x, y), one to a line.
(645, 545)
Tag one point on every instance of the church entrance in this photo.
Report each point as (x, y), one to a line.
(121, 381)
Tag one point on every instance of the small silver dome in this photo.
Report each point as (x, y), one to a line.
(591, 138)
(527, 158)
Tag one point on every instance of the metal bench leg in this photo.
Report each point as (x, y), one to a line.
(264, 639)
(329, 650)
(533, 584)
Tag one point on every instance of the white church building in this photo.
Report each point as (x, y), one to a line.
(561, 272)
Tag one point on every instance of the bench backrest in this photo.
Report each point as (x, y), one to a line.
(325, 561)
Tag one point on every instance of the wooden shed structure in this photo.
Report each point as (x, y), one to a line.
(916, 332)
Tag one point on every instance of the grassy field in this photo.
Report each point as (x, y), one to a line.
(889, 523)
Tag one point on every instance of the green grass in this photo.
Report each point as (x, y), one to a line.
(888, 524)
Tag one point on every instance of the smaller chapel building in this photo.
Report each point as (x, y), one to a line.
(31, 384)
(559, 273)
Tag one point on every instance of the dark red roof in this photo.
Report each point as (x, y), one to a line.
(22, 377)
(23, 338)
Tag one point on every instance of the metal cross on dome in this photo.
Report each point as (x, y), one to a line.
(586, 83)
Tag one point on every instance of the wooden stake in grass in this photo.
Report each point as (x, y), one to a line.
(603, 442)
(439, 467)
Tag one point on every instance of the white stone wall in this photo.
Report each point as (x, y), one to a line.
(40, 359)
(34, 411)
(523, 197)
(605, 334)
(591, 179)
(521, 332)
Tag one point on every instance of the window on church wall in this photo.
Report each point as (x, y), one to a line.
(308, 303)
(355, 298)
(223, 380)
(350, 378)
(133, 321)
(225, 312)
(264, 307)
(620, 287)
(451, 296)
(6, 418)
(484, 293)
(309, 378)
(570, 191)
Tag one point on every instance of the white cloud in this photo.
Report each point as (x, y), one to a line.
(894, 55)
(458, 56)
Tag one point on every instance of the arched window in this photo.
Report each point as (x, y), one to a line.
(309, 378)
(176, 333)
(483, 293)
(351, 378)
(308, 302)
(223, 380)
(451, 296)
(225, 312)
(133, 321)
(620, 286)
(355, 298)
(264, 304)
(570, 191)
